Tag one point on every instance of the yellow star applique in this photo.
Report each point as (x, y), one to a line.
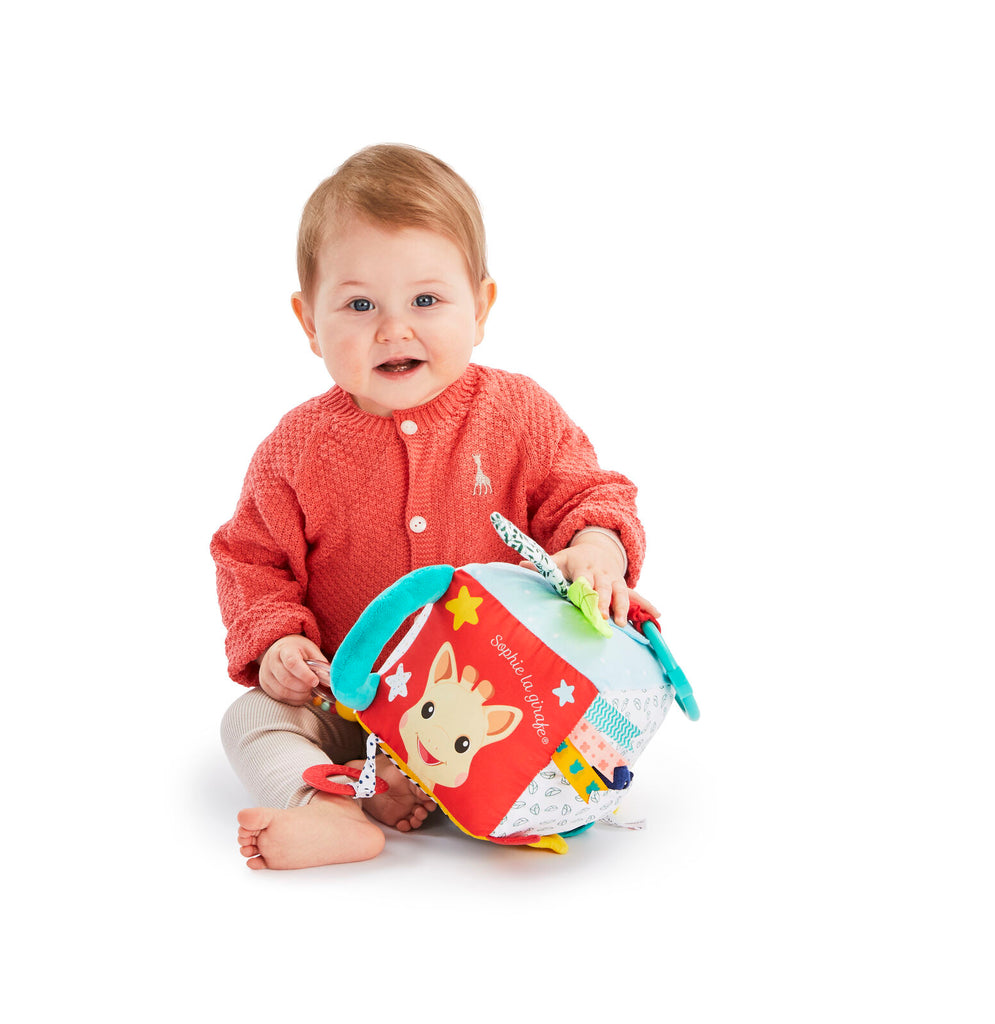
(464, 608)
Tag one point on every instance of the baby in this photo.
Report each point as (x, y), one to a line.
(398, 466)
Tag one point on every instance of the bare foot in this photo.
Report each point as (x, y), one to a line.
(404, 806)
(328, 830)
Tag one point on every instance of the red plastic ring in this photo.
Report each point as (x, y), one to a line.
(318, 778)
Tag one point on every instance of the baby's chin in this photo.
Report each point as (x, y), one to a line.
(400, 384)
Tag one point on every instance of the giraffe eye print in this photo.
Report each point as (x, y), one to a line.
(462, 745)
(427, 709)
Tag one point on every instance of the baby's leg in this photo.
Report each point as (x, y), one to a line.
(270, 745)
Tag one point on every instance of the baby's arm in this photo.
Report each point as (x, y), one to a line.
(283, 672)
(586, 514)
(262, 566)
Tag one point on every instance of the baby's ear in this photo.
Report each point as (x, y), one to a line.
(485, 300)
(302, 311)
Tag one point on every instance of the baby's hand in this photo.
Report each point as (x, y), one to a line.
(598, 559)
(283, 672)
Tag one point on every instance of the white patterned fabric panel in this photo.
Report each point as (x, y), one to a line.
(550, 805)
(627, 720)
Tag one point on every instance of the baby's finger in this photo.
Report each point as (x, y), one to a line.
(295, 691)
(620, 602)
(279, 689)
(603, 585)
(297, 667)
(291, 688)
(647, 606)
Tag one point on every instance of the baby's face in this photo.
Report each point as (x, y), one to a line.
(393, 314)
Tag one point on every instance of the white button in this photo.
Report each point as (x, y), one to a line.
(418, 525)
(409, 427)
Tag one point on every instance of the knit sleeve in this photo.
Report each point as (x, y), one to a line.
(262, 575)
(574, 491)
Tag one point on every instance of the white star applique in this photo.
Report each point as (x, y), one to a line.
(565, 693)
(398, 682)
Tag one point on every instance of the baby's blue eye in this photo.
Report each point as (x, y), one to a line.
(361, 305)
(426, 300)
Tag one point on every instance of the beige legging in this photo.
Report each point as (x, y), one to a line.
(270, 745)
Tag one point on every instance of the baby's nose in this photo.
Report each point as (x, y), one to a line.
(394, 328)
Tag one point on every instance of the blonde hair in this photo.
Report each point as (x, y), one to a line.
(397, 187)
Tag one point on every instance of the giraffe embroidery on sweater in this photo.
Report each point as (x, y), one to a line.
(481, 482)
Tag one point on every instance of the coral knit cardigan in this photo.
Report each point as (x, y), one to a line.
(338, 504)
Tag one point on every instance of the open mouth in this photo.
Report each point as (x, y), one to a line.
(427, 757)
(399, 365)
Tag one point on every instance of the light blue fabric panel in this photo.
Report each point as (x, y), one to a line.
(623, 661)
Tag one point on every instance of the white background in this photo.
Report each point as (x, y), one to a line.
(750, 248)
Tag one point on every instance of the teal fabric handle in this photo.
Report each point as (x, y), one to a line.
(353, 682)
(675, 676)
